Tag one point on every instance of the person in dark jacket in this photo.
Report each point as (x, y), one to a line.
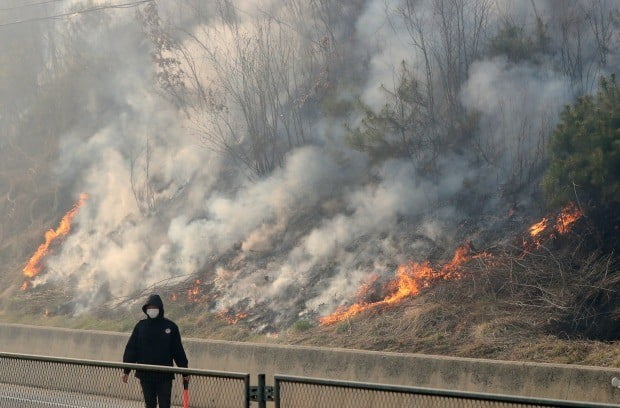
(155, 340)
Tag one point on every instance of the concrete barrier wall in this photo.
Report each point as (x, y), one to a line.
(579, 383)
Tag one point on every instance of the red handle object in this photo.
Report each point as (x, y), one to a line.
(185, 394)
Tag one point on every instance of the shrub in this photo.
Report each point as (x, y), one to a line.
(585, 161)
(302, 325)
(585, 150)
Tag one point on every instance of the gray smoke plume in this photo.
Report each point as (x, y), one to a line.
(168, 202)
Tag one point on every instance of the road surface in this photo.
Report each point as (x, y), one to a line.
(28, 397)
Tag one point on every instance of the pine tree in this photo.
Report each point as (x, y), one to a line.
(585, 161)
(585, 150)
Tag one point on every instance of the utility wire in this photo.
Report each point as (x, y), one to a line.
(73, 13)
(30, 5)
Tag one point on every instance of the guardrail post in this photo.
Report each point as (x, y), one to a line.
(276, 392)
(261, 393)
(262, 401)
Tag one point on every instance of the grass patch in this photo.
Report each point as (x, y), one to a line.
(302, 325)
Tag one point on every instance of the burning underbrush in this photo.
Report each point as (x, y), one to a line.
(550, 287)
(413, 277)
(553, 304)
(550, 295)
(34, 265)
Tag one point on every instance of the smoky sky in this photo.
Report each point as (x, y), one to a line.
(165, 206)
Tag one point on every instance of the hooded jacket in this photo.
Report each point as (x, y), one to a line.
(155, 341)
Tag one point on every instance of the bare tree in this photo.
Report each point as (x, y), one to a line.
(602, 18)
(252, 106)
(251, 80)
(449, 36)
(140, 178)
(586, 34)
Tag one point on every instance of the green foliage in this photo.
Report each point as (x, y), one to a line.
(517, 45)
(335, 107)
(302, 325)
(585, 150)
(398, 129)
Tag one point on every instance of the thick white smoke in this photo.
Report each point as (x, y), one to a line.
(518, 105)
(301, 238)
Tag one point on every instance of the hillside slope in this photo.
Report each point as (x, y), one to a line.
(435, 176)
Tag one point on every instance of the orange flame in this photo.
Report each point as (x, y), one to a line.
(366, 286)
(232, 319)
(193, 294)
(33, 267)
(539, 227)
(410, 279)
(569, 215)
(563, 224)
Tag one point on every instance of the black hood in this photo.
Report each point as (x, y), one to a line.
(154, 300)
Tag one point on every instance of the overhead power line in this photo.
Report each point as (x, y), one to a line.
(77, 12)
(30, 5)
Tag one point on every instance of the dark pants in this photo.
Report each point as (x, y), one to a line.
(156, 390)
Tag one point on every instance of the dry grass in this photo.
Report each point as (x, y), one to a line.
(476, 328)
(541, 306)
(551, 305)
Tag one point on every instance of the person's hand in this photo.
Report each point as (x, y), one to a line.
(186, 378)
(125, 378)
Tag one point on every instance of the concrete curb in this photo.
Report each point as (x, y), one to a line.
(555, 381)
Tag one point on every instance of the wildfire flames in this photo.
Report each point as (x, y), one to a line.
(412, 277)
(196, 294)
(231, 318)
(33, 267)
(563, 224)
(567, 217)
(539, 227)
(193, 294)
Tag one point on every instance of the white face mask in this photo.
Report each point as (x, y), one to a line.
(153, 313)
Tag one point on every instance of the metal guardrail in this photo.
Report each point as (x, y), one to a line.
(40, 381)
(304, 392)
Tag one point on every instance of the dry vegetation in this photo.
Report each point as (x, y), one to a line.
(29, 203)
(558, 303)
(555, 303)
(550, 305)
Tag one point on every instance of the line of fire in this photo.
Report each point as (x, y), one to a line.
(35, 263)
(411, 278)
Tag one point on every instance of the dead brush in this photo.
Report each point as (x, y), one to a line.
(570, 292)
